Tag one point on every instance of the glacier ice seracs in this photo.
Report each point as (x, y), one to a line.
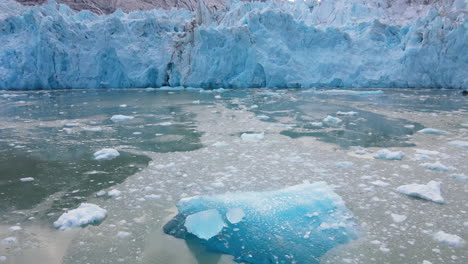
(297, 224)
(328, 43)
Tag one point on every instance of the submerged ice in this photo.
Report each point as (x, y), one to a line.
(298, 224)
(324, 43)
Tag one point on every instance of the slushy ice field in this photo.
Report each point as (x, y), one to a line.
(385, 153)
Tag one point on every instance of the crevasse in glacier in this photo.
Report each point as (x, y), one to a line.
(328, 43)
(298, 224)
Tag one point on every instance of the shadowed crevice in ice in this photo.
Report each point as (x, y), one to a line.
(298, 224)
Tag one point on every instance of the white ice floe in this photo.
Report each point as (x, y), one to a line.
(235, 215)
(9, 240)
(344, 164)
(84, 215)
(165, 124)
(263, 117)
(14, 228)
(430, 191)
(427, 152)
(27, 179)
(3, 258)
(331, 119)
(316, 124)
(380, 183)
(121, 118)
(389, 155)
(460, 144)
(398, 218)
(123, 234)
(92, 129)
(460, 177)
(106, 154)
(250, 137)
(196, 223)
(432, 131)
(452, 240)
(114, 193)
(351, 113)
(220, 144)
(436, 166)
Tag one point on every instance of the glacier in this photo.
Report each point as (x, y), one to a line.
(297, 224)
(328, 43)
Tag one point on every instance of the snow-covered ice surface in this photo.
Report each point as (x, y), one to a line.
(85, 214)
(297, 224)
(430, 191)
(184, 160)
(327, 43)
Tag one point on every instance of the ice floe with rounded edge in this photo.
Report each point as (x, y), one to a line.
(350, 113)
(121, 118)
(106, 154)
(252, 137)
(436, 166)
(458, 143)
(82, 216)
(433, 131)
(331, 119)
(27, 179)
(430, 191)
(449, 239)
(389, 155)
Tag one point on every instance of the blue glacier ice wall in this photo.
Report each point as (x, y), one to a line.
(328, 43)
(298, 224)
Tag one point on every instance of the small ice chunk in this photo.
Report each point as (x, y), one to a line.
(101, 193)
(252, 137)
(351, 113)
(331, 119)
(92, 129)
(123, 105)
(389, 155)
(460, 144)
(380, 183)
(452, 240)
(27, 179)
(14, 228)
(426, 262)
(197, 223)
(123, 234)
(409, 126)
(165, 124)
(220, 144)
(430, 191)
(114, 193)
(235, 215)
(106, 154)
(263, 117)
(84, 215)
(427, 152)
(460, 177)
(436, 166)
(344, 164)
(121, 118)
(432, 131)
(9, 240)
(316, 124)
(398, 218)
(3, 258)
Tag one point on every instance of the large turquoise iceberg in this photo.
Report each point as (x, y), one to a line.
(327, 43)
(298, 224)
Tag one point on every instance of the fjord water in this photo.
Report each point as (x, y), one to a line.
(183, 143)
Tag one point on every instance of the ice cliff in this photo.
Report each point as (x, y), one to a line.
(349, 43)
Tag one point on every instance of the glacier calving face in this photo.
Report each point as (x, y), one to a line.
(329, 43)
(297, 224)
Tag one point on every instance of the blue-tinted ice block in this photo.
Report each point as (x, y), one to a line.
(298, 224)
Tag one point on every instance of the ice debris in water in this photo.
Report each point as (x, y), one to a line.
(460, 177)
(432, 131)
(449, 239)
(114, 193)
(398, 218)
(82, 216)
(430, 191)
(14, 228)
(436, 166)
(389, 155)
(351, 113)
(121, 118)
(106, 154)
(27, 179)
(297, 224)
(350, 92)
(3, 258)
(331, 119)
(460, 144)
(9, 240)
(252, 137)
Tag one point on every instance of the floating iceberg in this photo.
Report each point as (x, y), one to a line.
(85, 214)
(460, 144)
(331, 119)
(430, 191)
(106, 154)
(297, 224)
(436, 166)
(327, 43)
(432, 131)
(121, 118)
(252, 137)
(389, 155)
